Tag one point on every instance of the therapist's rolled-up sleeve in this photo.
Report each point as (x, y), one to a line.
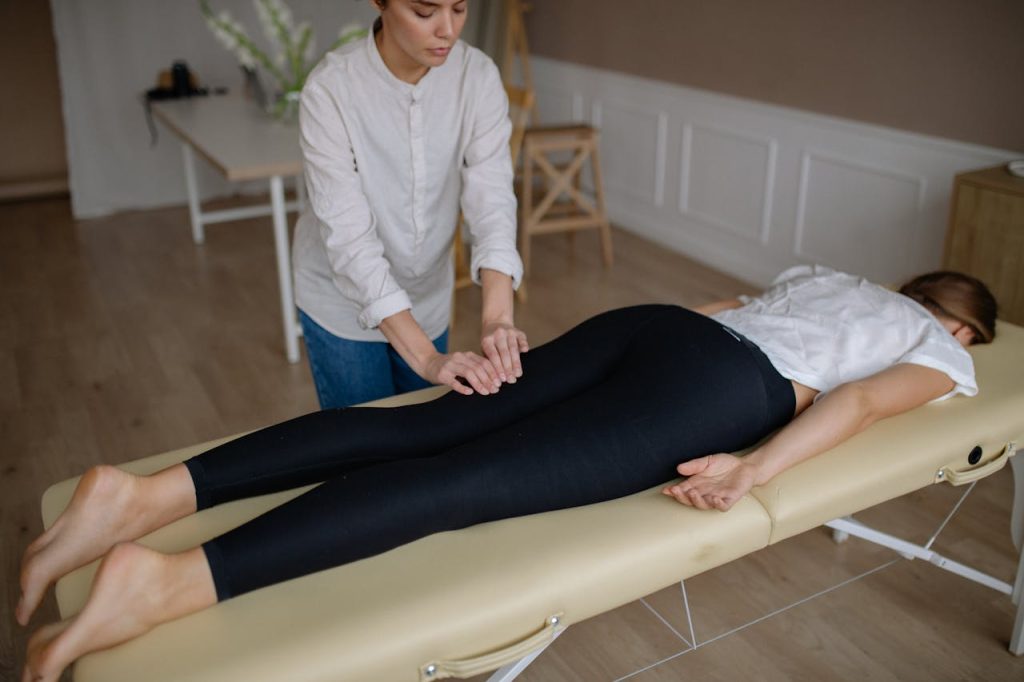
(488, 202)
(347, 225)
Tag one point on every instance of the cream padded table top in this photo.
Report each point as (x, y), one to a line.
(464, 593)
(902, 454)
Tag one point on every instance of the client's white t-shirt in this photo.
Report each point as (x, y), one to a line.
(824, 328)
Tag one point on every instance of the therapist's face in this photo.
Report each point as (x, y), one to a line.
(418, 34)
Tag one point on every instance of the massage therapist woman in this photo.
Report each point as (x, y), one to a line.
(398, 133)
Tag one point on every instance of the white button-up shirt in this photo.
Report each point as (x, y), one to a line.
(824, 328)
(386, 165)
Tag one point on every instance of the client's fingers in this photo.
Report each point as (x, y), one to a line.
(722, 503)
(694, 466)
(676, 493)
(696, 499)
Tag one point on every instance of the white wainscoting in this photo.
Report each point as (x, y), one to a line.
(752, 188)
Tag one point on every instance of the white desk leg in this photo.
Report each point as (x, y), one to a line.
(193, 194)
(284, 269)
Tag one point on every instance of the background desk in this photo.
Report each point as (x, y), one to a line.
(244, 143)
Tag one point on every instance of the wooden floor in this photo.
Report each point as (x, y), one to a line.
(119, 339)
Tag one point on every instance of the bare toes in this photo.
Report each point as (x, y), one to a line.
(33, 586)
(41, 664)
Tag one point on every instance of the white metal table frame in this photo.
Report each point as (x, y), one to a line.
(242, 143)
(843, 528)
(278, 209)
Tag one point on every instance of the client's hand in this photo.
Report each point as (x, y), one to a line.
(715, 482)
(502, 343)
(448, 368)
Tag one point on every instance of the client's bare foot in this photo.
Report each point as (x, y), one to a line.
(135, 590)
(108, 506)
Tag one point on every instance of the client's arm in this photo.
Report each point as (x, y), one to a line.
(718, 481)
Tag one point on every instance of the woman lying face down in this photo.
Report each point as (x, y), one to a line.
(894, 357)
(622, 403)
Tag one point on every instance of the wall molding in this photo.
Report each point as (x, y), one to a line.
(770, 145)
(810, 155)
(737, 183)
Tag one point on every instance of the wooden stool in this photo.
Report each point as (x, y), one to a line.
(562, 206)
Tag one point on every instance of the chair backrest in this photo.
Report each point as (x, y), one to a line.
(520, 105)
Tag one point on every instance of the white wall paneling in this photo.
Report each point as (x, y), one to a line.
(726, 179)
(753, 188)
(638, 138)
(857, 216)
(558, 105)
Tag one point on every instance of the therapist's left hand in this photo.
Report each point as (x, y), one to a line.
(502, 344)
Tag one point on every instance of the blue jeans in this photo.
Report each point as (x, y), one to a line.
(351, 372)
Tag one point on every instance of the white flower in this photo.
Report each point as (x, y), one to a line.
(276, 19)
(294, 46)
(245, 58)
(310, 49)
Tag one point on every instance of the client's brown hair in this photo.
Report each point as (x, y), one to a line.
(957, 296)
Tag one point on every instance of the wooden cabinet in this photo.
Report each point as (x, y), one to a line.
(986, 235)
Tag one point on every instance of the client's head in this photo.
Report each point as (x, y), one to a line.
(961, 302)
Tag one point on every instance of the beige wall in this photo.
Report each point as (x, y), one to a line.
(32, 157)
(949, 68)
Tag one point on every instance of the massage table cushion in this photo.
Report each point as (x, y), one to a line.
(461, 594)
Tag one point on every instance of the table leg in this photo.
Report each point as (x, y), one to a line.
(284, 269)
(1017, 514)
(1017, 637)
(193, 194)
(1017, 529)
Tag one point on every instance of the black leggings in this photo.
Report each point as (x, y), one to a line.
(606, 410)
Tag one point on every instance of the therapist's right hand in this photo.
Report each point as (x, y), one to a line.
(466, 373)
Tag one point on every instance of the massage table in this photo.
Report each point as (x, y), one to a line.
(491, 597)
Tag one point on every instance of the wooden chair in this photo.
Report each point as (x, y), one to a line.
(520, 105)
(553, 199)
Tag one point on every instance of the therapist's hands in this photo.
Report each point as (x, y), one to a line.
(465, 373)
(502, 343)
(500, 340)
(469, 373)
(715, 482)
